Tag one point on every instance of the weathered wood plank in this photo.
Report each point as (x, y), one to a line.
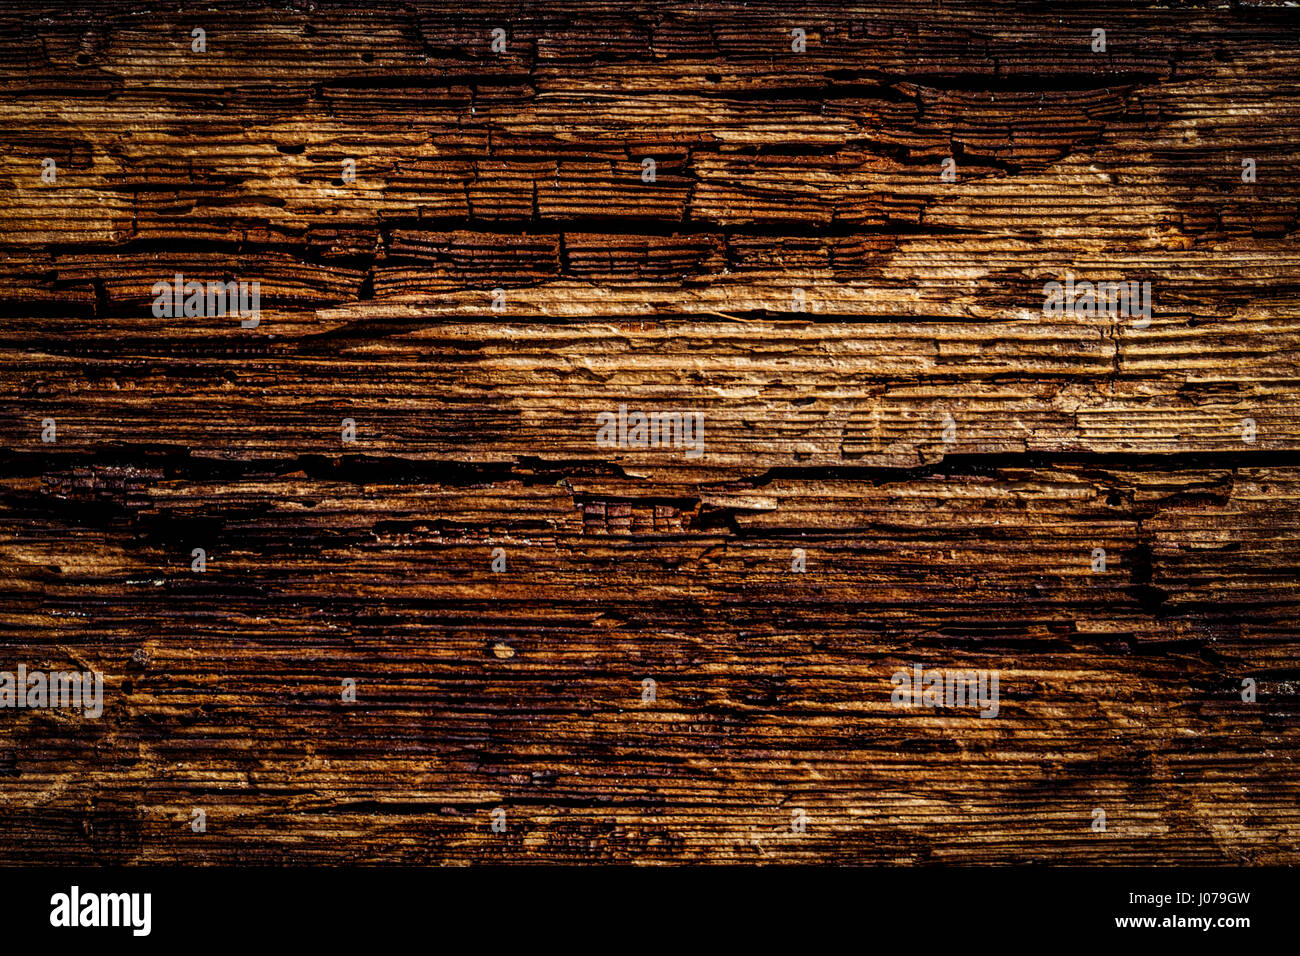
(946, 457)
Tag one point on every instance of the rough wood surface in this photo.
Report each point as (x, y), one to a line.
(475, 429)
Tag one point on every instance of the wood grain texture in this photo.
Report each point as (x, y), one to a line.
(522, 690)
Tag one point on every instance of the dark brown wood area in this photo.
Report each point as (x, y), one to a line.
(865, 340)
